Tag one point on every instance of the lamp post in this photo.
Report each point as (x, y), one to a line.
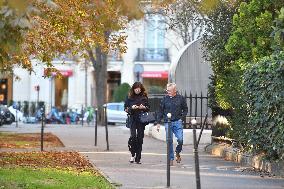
(196, 158)
(16, 117)
(106, 126)
(16, 107)
(96, 126)
(51, 91)
(42, 110)
(86, 82)
(169, 115)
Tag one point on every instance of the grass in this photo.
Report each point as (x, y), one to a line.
(49, 170)
(50, 178)
(28, 140)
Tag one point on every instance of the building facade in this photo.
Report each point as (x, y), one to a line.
(73, 90)
(151, 49)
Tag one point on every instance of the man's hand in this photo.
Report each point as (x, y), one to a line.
(158, 127)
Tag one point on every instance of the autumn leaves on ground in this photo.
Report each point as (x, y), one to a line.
(48, 169)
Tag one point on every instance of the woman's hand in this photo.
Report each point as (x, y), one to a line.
(134, 106)
(142, 106)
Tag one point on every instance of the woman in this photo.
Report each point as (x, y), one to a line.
(135, 104)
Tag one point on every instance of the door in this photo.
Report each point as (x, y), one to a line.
(61, 93)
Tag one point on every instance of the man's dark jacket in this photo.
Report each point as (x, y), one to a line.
(175, 105)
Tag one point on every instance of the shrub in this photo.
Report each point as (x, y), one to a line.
(155, 90)
(121, 92)
(264, 86)
(220, 126)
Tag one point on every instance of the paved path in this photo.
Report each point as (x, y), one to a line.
(151, 174)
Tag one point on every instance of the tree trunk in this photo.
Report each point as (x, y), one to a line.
(100, 75)
(100, 65)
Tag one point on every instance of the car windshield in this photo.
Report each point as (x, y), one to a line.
(121, 107)
(118, 107)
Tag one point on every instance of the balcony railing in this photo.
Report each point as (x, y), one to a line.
(152, 55)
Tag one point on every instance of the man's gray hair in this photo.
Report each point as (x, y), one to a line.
(173, 85)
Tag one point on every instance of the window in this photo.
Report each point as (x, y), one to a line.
(154, 31)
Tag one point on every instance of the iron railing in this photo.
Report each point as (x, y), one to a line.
(197, 109)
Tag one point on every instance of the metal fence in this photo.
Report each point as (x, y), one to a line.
(197, 108)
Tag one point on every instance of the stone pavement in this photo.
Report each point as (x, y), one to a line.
(151, 174)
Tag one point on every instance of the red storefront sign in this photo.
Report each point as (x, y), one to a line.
(65, 73)
(155, 74)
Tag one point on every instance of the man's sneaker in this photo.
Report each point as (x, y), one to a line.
(178, 158)
(171, 162)
(131, 159)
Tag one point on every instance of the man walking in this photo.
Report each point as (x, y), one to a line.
(175, 104)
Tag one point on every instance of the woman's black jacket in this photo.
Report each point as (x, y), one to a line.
(136, 100)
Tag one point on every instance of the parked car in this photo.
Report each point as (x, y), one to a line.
(115, 112)
(6, 116)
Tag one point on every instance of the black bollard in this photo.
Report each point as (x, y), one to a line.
(82, 116)
(16, 117)
(202, 128)
(105, 113)
(42, 128)
(196, 158)
(169, 140)
(96, 126)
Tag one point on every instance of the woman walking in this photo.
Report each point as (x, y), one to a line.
(135, 104)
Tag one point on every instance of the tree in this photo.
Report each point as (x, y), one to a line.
(234, 43)
(87, 28)
(185, 19)
(249, 42)
(77, 27)
(219, 25)
(278, 32)
(15, 22)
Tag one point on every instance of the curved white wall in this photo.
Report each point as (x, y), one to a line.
(190, 71)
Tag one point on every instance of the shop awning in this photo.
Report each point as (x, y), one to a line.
(65, 73)
(155, 74)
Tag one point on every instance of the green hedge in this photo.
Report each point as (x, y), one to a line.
(121, 92)
(264, 89)
(155, 89)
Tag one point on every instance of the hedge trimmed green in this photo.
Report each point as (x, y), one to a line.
(264, 89)
(121, 92)
(243, 50)
(155, 89)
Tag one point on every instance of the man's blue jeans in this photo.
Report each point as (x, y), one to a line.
(177, 129)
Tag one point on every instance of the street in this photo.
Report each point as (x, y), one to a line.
(215, 173)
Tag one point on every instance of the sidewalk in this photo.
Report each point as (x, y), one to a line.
(151, 130)
(151, 174)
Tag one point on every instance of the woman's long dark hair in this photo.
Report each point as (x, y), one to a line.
(137, 85)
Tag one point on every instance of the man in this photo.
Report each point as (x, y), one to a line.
(175, 104)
